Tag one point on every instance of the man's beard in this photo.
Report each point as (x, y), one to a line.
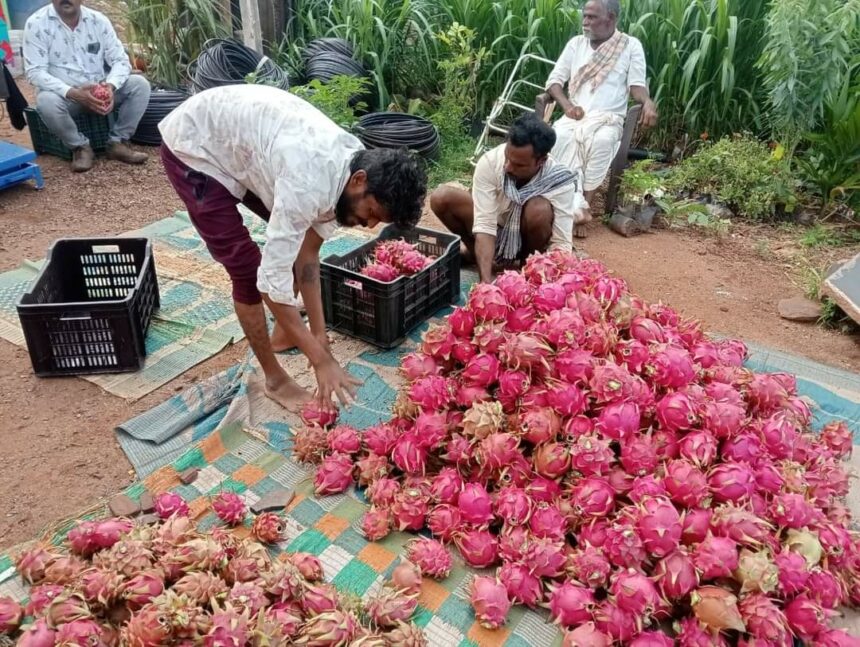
(345, 208)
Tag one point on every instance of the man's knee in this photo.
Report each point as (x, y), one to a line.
(136, 85)
(441, 200)
(51, 103)
(537, 215)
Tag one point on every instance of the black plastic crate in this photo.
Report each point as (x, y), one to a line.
(89, 308)
(95, 127)
(384, 313)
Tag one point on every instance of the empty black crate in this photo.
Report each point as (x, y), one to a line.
(384, 313)
(90, 307)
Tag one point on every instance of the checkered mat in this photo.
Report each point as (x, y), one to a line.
(196, 318)
(230, 459)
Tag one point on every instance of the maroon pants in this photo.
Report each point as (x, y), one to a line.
(215, 215)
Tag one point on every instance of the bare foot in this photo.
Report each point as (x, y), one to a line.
(288, 394)
(580, 231)
(281, 340)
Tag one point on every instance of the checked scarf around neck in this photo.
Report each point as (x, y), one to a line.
(509, 240)
(602, 62)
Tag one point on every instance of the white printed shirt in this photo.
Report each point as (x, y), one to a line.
(57, 57)
(492, 207)
(611, 95)
(262, 139)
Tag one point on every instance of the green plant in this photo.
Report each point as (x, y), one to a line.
(739, 172)
(807, 57)
(170, 34)
(453, 163)
(337, 98)
(459, 77)
(701, 58)
(638, 181)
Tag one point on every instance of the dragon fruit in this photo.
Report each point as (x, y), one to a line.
(756, 572)
(723, 419)
(763, 619)
(382, 491)
(406, 577)
(513, 505)
(380, 271)
(513, 542)
(567, 399)
(11, 614)
(676, 575)
(685, 484)
(699, 447)
(591, 455)
(619, 624)
(838, 438)
(309, 566)
(481, 370)
(128, 557)
(588, 566)
(806, 617)
(716, 557)
(446, 485)
(31, 564)
(646, 330)
(488, 302)
(539, 425)
(64, 569)
(717, 608)
(143, 588)
(639, 455)
(825, 588)
(593, 497)
(659, 526)
(83, 632)
(570, 605)
(636, 593)
(497, 450)
(430, 393)
(586, 635)
(731, 482)
(438, 341)
(268, 528)
(739, 524)
(170, 503)
(623, 546)
(547, 521)
(391, 607)
(551, 460)
(515, 288)
(371, 467)
(230, 508)
(479, 548)
(836, 638)
(443, 521)
(319, 598)
(416, 365)
(310, 444)
(431, 557)
(344, 439)
(672, 367)
(42, 595)
(333, 476)
(475, 504)
(676, 412)
(201, 586)
(791, 511)
(409, 509)
(691, 633)
(330, 628)
(696, 524)
(489, 599)
(313, 414)
(652, 639)
(522, 585)
(65, 608)
(38, 634)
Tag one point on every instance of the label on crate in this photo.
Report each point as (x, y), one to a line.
(355, 285)
(105, 249)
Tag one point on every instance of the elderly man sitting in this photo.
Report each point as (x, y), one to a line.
(600, 67)
(67, 49)
(522, 200)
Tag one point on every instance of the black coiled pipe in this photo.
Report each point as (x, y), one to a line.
(161, 103)
(399, 130)
(229, 62)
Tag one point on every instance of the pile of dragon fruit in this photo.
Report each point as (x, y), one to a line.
(613, 464)
(125, 583)
(393, 259)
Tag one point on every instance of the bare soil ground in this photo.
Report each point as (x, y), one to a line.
(59, 452)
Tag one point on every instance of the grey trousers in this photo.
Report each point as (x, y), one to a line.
(131, 101)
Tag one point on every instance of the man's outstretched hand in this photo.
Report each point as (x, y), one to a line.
(648, 116)
(333, 380)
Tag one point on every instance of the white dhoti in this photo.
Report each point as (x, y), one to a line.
(588, 145)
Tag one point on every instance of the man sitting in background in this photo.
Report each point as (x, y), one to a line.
(522, 200)
(601, 67)
(67, 49)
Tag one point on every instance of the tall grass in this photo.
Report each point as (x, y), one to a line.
(701, 57)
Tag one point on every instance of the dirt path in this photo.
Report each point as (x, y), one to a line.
(59, 451)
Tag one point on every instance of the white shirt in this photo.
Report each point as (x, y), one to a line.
(57, 57)
(266, 140)
(492, 207)
(612, 94)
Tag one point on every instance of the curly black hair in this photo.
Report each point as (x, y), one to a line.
(530, 130)
(396, 179)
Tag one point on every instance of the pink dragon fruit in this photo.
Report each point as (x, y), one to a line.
(574, 365)
(722, 419)
(591, 456)
(489, 599)
(742, 448)
(570, 605)
(488, 302)
(551, 460)
(646, 330)
(522, 585)
(515, 288)
(414, 366)
(38, 634)
(691, 633)
(619, 624)
(696, 524)
(805, 617)
(443, 521)
(333, 476)
(545, 557)
(539, 425)
(731, 482)
(170, 503)
(513, 505)
(462, 322)
(699, 447)
(685, 483)
(313, 414)
(11, 614)
(716, 557)
(391, 607)
(83, 632)
(438, 342)
(836, 638)
(431, 557)
(825, 588)
(621, 481)
(231, 509)
(476, 506)
(623, 546)
(344, 439)
(446, 485)
(407, 577)
(676, 575)
(548, 297)
(408, 455)
(676, 412)
(837, 437)
(41, 597)
(586, 635)
(792, 511)
(376, 523)
(513, 542)
(768, 478)
(513, 384)
(659, 526)
(763, 619)
(409, 509)
(593, 497)
(479, 548)
(716, 608)
(547, 522)
(412, 262)
(481, 370)
(382, 491)
(636, 593)
(672, 367)
(371, 467)
(431, 393)
(380, 271)
(429, 431)
(652, 639)
(588, 566)
(739, 524)
(765, 393)
(142, 588)
(31, 564)
(639, 455)
(497, 450)
(633, 354)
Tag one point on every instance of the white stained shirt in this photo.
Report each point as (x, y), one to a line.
(492, 207)
(612, 94)
(57, 57)
(271, 142)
